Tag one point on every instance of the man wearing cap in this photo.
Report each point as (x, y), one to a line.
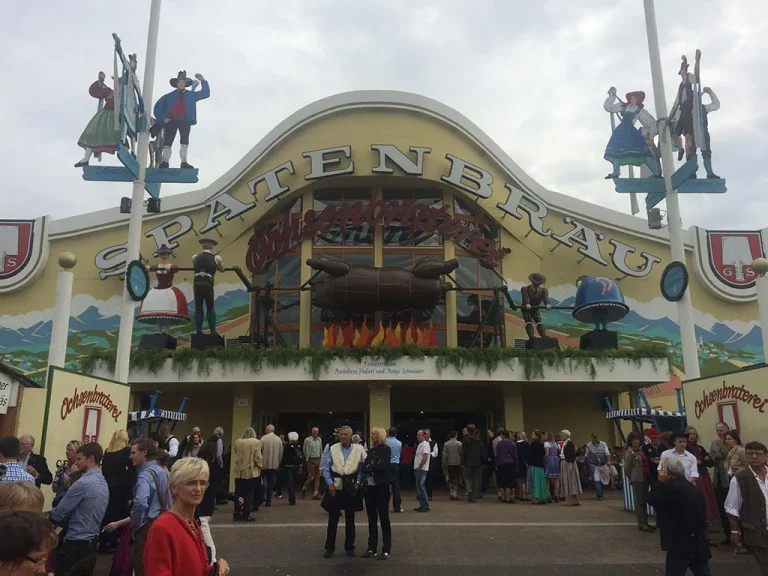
(206, 264)
(533, 296)
(653, 453)
(177, 111)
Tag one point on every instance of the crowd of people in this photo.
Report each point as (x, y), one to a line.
(147, 507)
(149, 500)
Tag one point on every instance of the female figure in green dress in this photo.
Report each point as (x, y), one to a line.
(103, 131)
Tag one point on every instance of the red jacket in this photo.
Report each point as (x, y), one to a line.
(173, 550)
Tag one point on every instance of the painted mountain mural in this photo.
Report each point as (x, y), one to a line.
(94, 324)
(723, 345)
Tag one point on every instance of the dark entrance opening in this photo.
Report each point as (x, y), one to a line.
(440, 424)
(303, 422)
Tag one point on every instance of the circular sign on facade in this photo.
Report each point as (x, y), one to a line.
(674, 281)
(137, 280)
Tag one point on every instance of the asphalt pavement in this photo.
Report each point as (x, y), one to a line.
(455, 539)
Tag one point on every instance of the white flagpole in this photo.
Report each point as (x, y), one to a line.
(684, 306)
(128, 306)
(633, 197)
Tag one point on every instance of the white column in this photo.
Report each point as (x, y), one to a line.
(128, 306)
(760, 266)
(684, 307)
(57, 352)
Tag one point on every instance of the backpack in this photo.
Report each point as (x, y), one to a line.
(298, 455)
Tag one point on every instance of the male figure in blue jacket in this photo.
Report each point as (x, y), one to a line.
(177, 112)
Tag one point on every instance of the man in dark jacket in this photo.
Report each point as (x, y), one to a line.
(682, 518)
(187, 439)
(473, 456)
(653, 453)
(34, 463)
(746, 505)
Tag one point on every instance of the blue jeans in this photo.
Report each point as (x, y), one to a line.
(599, 488)
(290, 479)
(269, 485)
(421, 489)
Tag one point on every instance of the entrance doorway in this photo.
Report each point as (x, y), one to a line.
(440, 424)
(303, 422)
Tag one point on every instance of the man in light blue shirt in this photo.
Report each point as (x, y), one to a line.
(82, 509)
(395, 447)
(151, 497)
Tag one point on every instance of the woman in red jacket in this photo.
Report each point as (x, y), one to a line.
(175, 545)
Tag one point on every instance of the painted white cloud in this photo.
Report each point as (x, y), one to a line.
(107, 308)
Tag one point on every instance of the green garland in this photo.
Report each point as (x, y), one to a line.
(319, 359)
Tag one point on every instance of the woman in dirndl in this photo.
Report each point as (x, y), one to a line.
(552, 467)
(536, 458)
(165, 305)
(704, 481)
(570, 482)
(103, 131)
(630, 146)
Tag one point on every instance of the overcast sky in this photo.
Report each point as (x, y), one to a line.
(532, 75)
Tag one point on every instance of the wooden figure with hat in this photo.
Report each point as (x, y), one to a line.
(630, 146)
(534, 295)
(682, 113)
(177, 112)
(205, 265)
(689, 115)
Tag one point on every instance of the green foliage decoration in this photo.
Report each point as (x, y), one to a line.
(316, 361)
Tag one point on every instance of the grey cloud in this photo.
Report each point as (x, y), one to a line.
(533, 76)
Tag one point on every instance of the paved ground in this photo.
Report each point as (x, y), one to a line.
(456, 539)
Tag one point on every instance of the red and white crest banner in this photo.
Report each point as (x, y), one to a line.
(23, 252)
(724, 261)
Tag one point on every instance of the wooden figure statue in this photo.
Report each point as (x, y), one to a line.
(177, 112)
(206, 264)
(534, 295)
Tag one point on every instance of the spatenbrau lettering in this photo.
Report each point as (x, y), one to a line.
(95, 396)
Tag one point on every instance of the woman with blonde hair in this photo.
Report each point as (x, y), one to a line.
(376, 482)
(21, 495)
(175, 544)
(117, 468)
(61, 480)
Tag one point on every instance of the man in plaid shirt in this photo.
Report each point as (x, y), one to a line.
(10, 470)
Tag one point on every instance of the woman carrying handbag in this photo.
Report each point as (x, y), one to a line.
(377, 491)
